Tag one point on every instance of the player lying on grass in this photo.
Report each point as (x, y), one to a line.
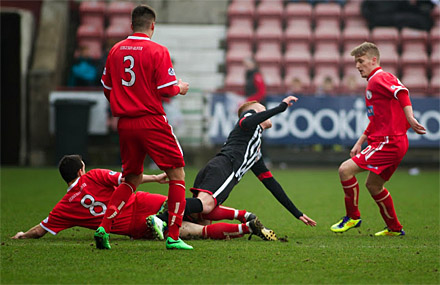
(391, 115)
(87, 197)
(240, 153)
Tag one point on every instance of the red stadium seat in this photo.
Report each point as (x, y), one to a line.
(91, 32)
(408, 35)
(240, 30)
(268, 53)
(272, 78)
(269, 30)
(117, 32)
(354, 36)
(351, 10)
(385, 35)
(298, 31)
(355, 22)
(95, 20)
(434, 60)
(270, 10)
(120, 12)
(389, 55)
(297, 54)
(235, 78)
(414, 53)
(241, 10)
(327, 11)
(434, 84)
(92, 7)
(416, 80)
(434, 37)
(299, 11)
(327, 54)
(327, 33)
(237, 52)
(92, 13)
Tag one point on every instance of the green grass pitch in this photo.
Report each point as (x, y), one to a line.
(311, 255)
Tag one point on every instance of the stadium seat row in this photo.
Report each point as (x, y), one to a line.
(93, 33)
(320, 53)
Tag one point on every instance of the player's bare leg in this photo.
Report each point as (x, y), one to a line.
(375, 185)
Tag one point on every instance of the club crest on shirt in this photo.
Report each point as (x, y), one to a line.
(171, 71)
(369, 94)
(112, 173)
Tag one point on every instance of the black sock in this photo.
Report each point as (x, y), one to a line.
(193, 205)
(163, 216)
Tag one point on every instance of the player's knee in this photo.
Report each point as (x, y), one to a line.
(208, 205)
(343, 171)
(373, 188)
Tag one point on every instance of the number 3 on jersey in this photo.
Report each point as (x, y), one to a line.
(130, 71)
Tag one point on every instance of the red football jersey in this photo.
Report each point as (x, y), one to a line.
(383, 108)
(85, 203)
(135, 70)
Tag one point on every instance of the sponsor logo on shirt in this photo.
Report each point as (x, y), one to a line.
(171, 71)
(369, 94)
(370, 111)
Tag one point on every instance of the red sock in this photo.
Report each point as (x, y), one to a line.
(176, 207)
(386, 206)
(119, 198)
(224, 230)
(351, 190)
(225, 213)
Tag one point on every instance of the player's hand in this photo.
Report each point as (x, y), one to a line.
(289, 100)
(18, 235)
(416, 126)
(355, 150)
(162, 178)
(307, 221)
(184, 86)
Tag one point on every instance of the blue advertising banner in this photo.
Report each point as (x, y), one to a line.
(320, 120)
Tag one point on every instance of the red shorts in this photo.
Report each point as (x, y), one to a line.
(382, 155)
(150, 135)
(146, 204)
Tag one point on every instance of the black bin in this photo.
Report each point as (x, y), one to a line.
(71, 126)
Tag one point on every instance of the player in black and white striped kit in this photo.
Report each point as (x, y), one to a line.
(241, 152)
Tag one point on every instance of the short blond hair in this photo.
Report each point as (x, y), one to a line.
(246, 106)
(368, 49)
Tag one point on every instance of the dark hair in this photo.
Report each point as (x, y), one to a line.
(142, 16)
(69, 166)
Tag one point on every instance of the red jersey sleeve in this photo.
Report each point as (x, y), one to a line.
(106, 177)
(164, 71)
(55, 222)
(106, 79)
(391, 85)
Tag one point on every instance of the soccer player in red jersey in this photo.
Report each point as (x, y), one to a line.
(138, 73)
(391, 115)
(89, 193)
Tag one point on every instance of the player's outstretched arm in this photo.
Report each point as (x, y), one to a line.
(35, 232)
(415, 125)
(159, 178)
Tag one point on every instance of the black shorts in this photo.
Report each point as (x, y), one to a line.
(216, 178)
